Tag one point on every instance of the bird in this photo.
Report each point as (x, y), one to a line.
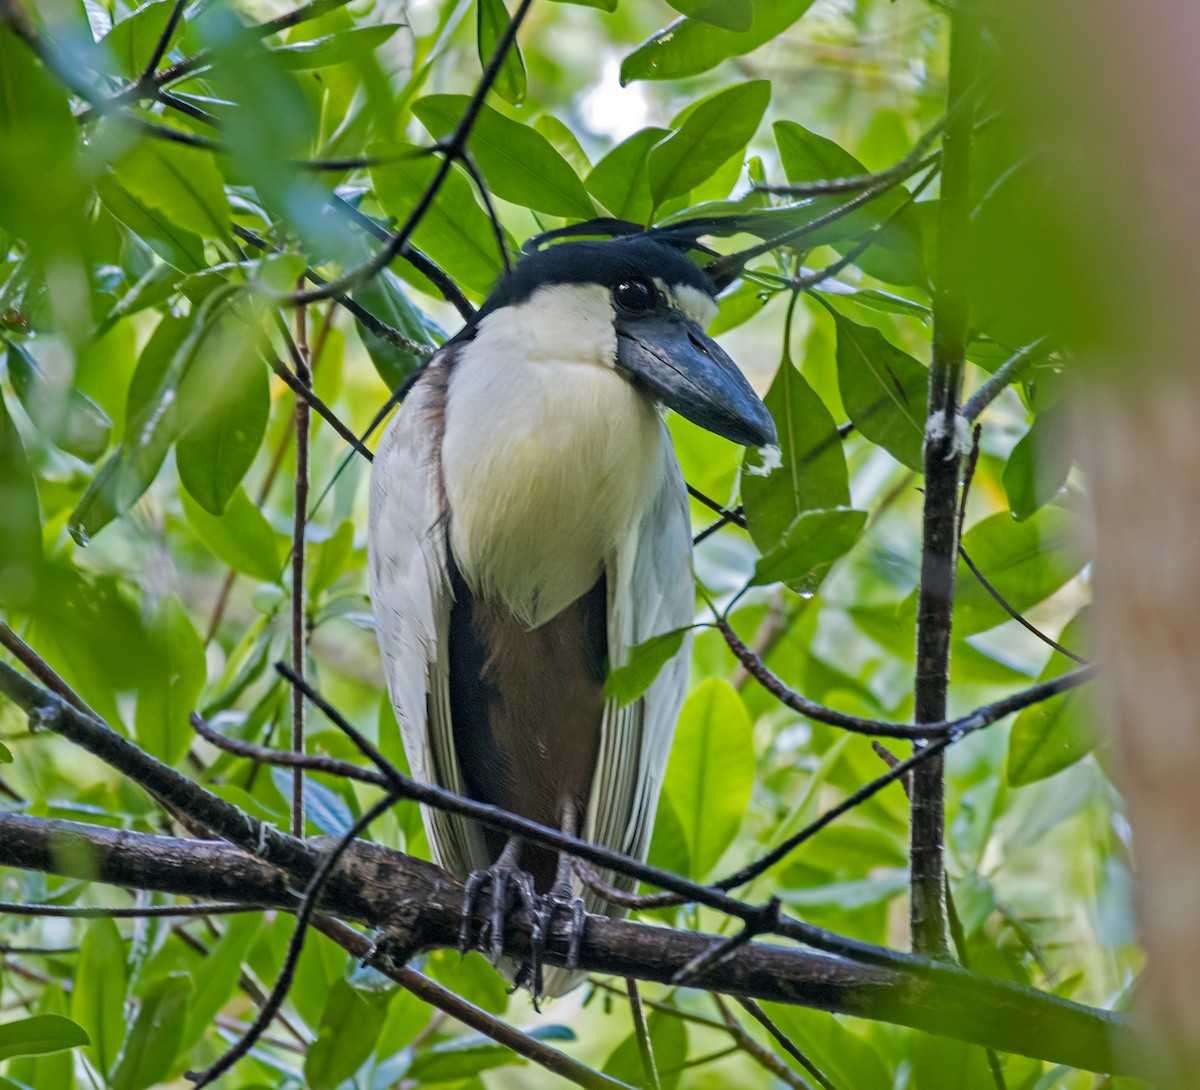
(528, 527)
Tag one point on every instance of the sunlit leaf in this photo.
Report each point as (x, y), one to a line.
(806, 472)
(518, 162)
(38, 1035)
(68, 418)
(670, 1043)
(222, 969)
(333, 48)
(21, 526)
(1053, 735)
(717, 128)
(163, 707)
(629, 681)
(885, 390)
(808, 548)
(690, 46)
(240, 536)
(1038, 465)
(182, 183)
(621, 182)
(711, 771)
(350, 1025)
(731, 14)
(131, 42)
(455, 232)
(491, 22)
(153, 1042)
(98, 999)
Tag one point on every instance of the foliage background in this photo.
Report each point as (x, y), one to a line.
(132, 362)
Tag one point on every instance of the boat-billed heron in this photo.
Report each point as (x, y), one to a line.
(529, 525)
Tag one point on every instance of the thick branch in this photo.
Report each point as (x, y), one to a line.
(417, 906)
(935, 603)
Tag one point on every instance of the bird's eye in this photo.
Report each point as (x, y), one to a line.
(634, 297)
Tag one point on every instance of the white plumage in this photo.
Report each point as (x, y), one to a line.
(555, 469)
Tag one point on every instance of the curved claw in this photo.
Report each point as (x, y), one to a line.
(506, 880)
(560, 898)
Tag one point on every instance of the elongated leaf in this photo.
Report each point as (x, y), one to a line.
(182, 183)
(1038, 465)
(711, 771)
(491, 22)
(1053, 735)
(1026, 562)
(386, 298)
(98, 1000)
(131, 43)
(69, 419)
(564, 141)
(350, 1025)
(885, 390)
(21, 524)
(626, 683)
(690, 46)
(807, 472)
(896, 255)
(620, 181)
(175, 245)
(38, 1035)
(731, 14)
(809, 547)
(716, 129)
(670, 1043)
(336, 48)
(455, 232)
(216, 984)
(226, 400)
(153, 1042)
(519, 163)
(240, 537)
(165, 704)
(454, 1060)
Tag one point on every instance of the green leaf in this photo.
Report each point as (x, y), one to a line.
(669, 1039)
(518, 162)
(1038, 465)
(21, 524)
(811, 470)
(39, 1035)
(1053, 735)
(711, 771)
(564, 141)
(132, 41)
(1026, 562)
(350, 1025)
(215, 986)
(332, 49)
(451, 1061)
(620, 181)
(716, 129)
(226, 400)
(328, 558)
(163, 707)
(178, 247)
(240, 537)
(668, 841)
(69, 419)
(603, 5)
(628, 682)
(885, 390)
(491, 22)
(182, 183)
(690, 46)
(385, 297)
(455, 232)
(809, 547)
(731, 14)
(896, 254)
(153, 1042)
(98, 1000)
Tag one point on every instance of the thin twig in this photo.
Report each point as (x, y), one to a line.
(642, 1033)
(298, 347)
(123, 912)
(786, 1043)
(1012, 370)
(283, 982)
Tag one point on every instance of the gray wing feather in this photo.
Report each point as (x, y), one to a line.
(652, 592)
(411, 600)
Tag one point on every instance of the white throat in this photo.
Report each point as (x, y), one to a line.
(550, 456)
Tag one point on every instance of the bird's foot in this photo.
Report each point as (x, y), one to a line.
(510, 887)
(559, 900)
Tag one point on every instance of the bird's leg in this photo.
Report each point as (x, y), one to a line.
(559, 898)
(506, 878)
